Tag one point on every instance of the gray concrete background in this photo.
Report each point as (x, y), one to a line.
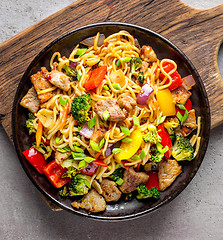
(196, 214)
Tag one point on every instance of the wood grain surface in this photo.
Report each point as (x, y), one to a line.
(198, 33)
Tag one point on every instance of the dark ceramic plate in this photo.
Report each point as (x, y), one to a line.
(163, 49)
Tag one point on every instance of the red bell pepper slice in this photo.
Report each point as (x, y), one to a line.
(188, 106)
(36, 159)
(100, 163)
(153, 180)
(90, 169)
(54, 172)
(165, 139)
(176, 79)
(97, 75)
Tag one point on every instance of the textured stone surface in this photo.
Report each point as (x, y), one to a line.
(197, 213)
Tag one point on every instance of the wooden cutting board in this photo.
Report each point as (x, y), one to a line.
(198, 33)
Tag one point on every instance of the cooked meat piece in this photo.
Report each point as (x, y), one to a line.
(168, 171)
(31, 101)
(132, 180)
(59, 156)
(110, 191)
(60, 80)
(144, 66)
(92, 202)
(180, 95)
(190, 124)
(110, 104)
(147, 54)
(98, 135)
(40, 83)
(126, 102)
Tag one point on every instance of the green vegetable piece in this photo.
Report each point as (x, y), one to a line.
(81, 52)
(57, 140)
(152, 136)
(118, 63)
(79, 185)
(136, 63)
(160, 119)
(79, 74)
(64, 150)
(135, 157)
(63, 101)
(106, 87)
(67, 163)
(182, 149)
(78, 156)
(80, 108)
(117, 176)
(136, 121)
(95, 146)
(127, 140)
(116, 150)
(91, 123)
(127, 59)
(144, 193)
(89, 159)
(120, 181)
(29, 123)
(125, 130)
(106, 115)
(78, 149)
(81, 164)
(142, 154)
(158, 152)
(45, 150)
(102, 142)
(116, 86)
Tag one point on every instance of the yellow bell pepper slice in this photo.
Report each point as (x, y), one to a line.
(166, 102)
(130, 148)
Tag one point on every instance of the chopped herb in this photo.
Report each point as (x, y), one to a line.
(106, 87)
(79, 128)
(91, 123)
(127, 140)
(125, 130)
(81, 164)
(116, 150)
(116, 86)
(79, 74)
(181, 106)
(95, 146)
(81, 52)
(57, 140)
(102, 142)
(120, 181)
(127, 59)
(78, 149)
(63, 101)
(183, 118)
(118, 63)
(135, 157)
(160, 119)
(142, 154)
(78, 156)
(89, 159)
(67, 163)
(136, 121)
(63, 150)
(106, 115)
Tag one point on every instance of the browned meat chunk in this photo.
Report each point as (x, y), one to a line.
(144, 66)
(92, 202)
(40, 83)
(147, 54)
(98, 135)
(59, 156)
(60, 80)
(110, 191)
(132, 180)
(126, 102)
(31, 101)
(168, 171)
(180, 95)
(190, 124)
(111, 105)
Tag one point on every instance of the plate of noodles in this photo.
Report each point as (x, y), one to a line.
(111, 121)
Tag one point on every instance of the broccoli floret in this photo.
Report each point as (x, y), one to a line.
(141, 77)
(152, 136)
(29, 123)
(144, 193)
(45, 150)
(158, 152)
(136, 63)
(182, 149)
(117, 176)
(170, 124)
(80, 108)
(79, 185)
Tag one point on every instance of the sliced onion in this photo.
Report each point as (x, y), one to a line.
(144, 94)
(109, 149)
(90, 41)
(86, 132)
(73, 65)
(188, 82)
